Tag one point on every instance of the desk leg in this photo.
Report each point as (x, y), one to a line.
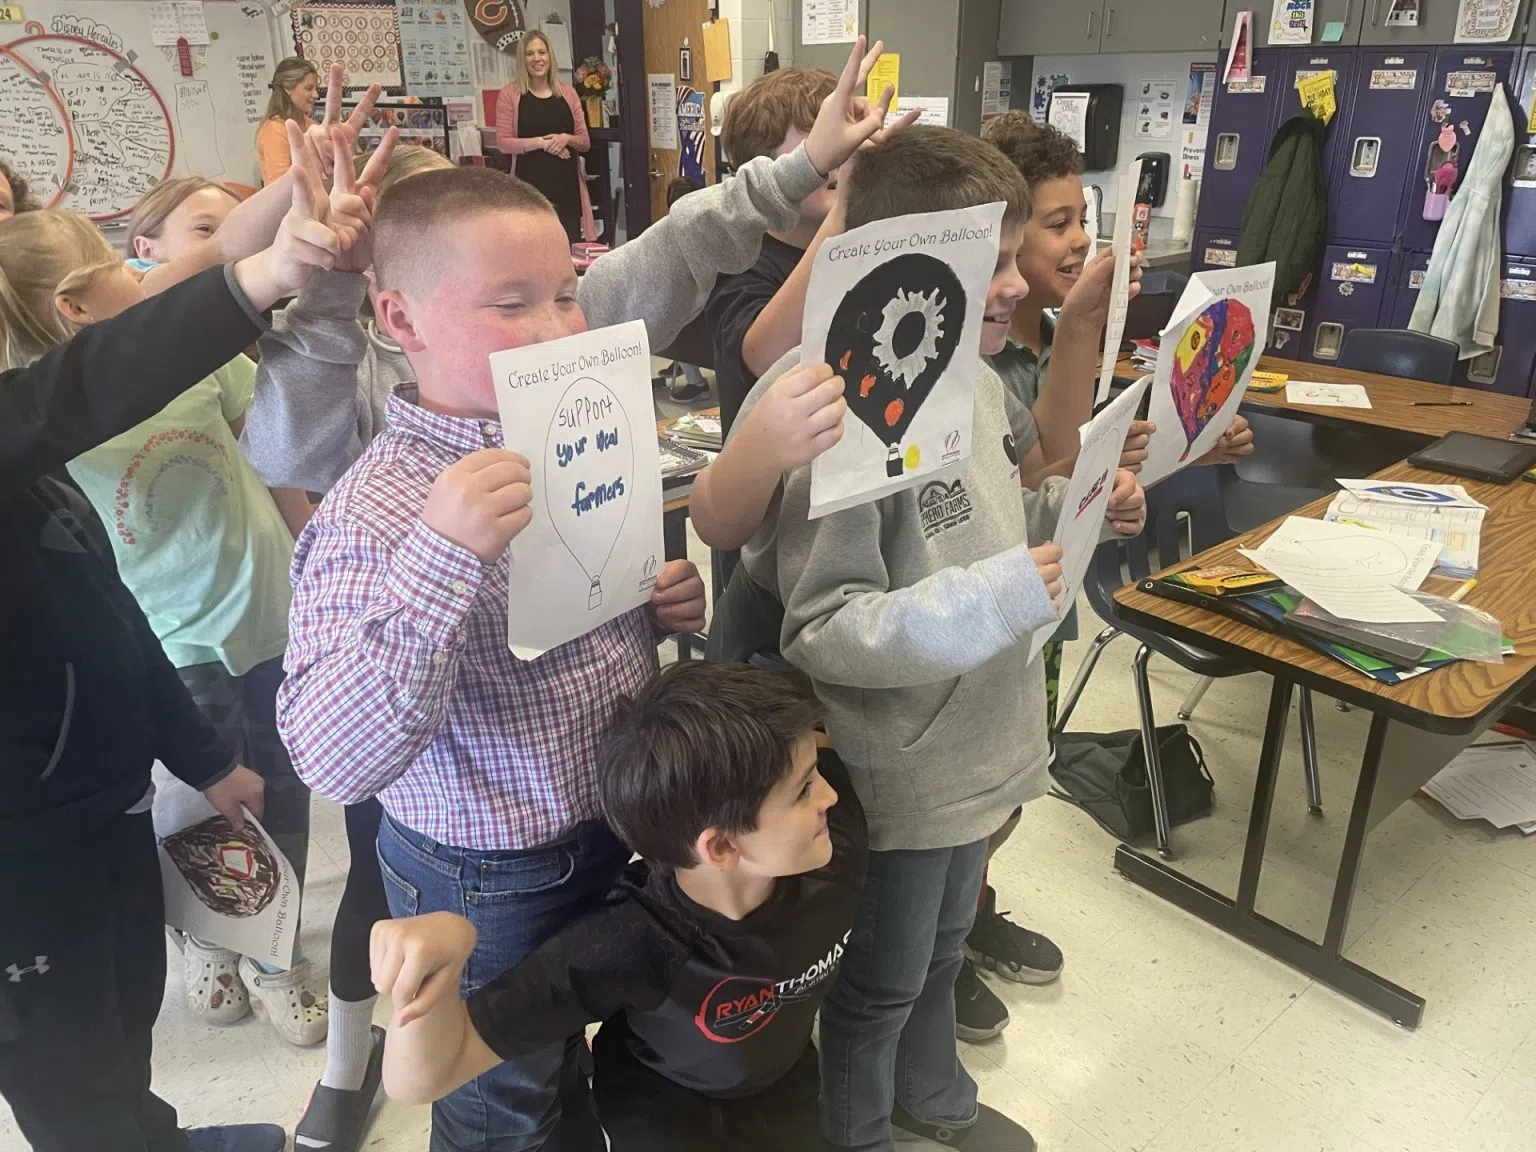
(674, 538)
(1238, 917)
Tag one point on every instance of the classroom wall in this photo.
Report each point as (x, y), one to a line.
(750, 22)
(1127, 69)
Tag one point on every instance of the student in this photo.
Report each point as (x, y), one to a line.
(709, 961)
(175, 217)
(917, 635)
(15, 196)
(90, 700)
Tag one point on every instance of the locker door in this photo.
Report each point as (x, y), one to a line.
(1242, 124)
(1377, 169)
(1508, 367)
(1404, 293)
(1302, 63)
(1520, 195)
(1352, 290)
(1213, 248)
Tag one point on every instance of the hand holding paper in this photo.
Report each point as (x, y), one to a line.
(481, 502)
(1127, 510)
(1047, 558)
(1114, 329)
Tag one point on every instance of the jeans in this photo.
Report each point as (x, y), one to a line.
(888, 1026)
(515, 899)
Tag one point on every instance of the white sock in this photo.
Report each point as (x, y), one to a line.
(348, 1043)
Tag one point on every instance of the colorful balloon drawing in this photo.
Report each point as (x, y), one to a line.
(891, 338)
(230, 871)
(589, 465)
(1208, 361)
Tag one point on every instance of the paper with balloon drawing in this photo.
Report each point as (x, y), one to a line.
(1081, 525)
(896, 308)
(1207, 355)
(580, 410)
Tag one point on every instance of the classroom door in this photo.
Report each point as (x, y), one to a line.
(685, 120)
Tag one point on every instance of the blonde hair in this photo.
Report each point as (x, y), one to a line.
(154, 210)
(522, 62)
(44, 255)
(288, 74)
(408, 159)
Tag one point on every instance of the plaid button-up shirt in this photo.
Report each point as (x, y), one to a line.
(400, 682)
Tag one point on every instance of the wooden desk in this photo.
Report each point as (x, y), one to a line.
(1416, 729)
(1392, 402)
(674, 533)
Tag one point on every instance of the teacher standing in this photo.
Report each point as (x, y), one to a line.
(295, 84)
(539, 124)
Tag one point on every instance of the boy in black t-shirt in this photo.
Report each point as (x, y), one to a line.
(711, 959)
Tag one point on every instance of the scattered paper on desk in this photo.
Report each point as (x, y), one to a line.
(1435, 495)
(1342, 588)
(1379, 557)
(1120, 298)
(1492, 782)
(1441, 513)
(1327, 395)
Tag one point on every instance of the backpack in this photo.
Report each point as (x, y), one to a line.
(1287, 215)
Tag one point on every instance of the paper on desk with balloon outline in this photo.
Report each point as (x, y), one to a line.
(1206, 356)
(580, 410)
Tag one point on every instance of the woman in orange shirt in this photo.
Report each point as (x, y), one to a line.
(295, 83)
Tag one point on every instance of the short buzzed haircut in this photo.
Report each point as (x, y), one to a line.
(759, 116)
(412, 214)
(1041, 152)
(926, 168)
(701, 746)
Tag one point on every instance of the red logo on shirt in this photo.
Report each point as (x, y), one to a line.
(741, 1006)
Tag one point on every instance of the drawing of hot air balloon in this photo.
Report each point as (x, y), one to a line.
(1208, 361)
(891, 339)
(588, 474)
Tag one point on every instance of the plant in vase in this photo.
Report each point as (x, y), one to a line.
(593, 79)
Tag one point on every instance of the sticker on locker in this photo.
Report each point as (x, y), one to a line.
(1353, 273)
(1395, 79)
(1221, 257)
(1470, 83)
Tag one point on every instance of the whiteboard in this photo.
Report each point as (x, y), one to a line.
(95, 114)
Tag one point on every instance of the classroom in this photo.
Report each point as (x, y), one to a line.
(1060, 675)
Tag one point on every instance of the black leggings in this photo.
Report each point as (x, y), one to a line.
(363, 904)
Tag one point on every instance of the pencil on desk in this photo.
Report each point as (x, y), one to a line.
(1460, 594)
(1441, 404)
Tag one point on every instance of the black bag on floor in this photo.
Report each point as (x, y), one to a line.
(1106, 776)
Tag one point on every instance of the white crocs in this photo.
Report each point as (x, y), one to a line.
(215, 992)
(298, 1011)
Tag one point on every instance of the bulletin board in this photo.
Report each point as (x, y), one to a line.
(95, 114)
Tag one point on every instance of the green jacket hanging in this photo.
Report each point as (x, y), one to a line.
(1287, 215)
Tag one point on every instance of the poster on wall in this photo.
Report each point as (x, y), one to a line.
(829, 21)
(692, 133)
(996, 88)
(1207, 354)
(1156, 109)
(1290, 22)
(434, 48)
(1403, 14)
(580, 410)
(1486, 21)
(896, 307)
(1069, 116)
(1196, 120)
(363, 38)
(501, 24)
(661, 106)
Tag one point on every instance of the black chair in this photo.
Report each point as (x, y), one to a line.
(1398, 352)
(1195, 494)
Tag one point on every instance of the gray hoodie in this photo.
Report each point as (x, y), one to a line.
(324, 379)
(913, 616)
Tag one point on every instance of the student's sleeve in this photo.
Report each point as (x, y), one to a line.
(272, 150)
(302, 428)
(118, 373)
(664, 276)
(845, 624)
(735, 304)
(609, 960)
(237, 383)
(375, 638)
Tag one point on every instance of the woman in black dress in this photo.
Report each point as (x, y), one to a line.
(539, 123)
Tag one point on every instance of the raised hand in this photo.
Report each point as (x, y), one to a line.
(482, 502)
(799, 418)
(1087, 304)
(351, 128)
(351, 205)
(842, 126)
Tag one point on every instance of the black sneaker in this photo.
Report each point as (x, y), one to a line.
(1012, 952)
(337, 1120)
(991, 1131)
(979, 1014)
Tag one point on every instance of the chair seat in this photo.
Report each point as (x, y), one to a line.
(1186, 656)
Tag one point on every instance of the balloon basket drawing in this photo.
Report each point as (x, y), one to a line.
(595, 594)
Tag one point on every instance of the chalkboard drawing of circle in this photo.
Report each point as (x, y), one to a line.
(39, 140)
(232, 871)
(891, 339)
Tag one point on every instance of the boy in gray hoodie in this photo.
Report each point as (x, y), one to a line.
(913, 615)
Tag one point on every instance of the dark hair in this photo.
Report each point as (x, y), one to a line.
(759, 116)
(680, 188)
(701, 746)
(931, 169)
(1039, 151)
(412, 213)
(21, 195)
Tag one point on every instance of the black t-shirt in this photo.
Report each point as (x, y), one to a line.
(721, 1006)
(734, 304)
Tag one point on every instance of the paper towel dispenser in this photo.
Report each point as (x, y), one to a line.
(1089, 114)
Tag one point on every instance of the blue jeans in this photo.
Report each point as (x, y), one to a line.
(515, 900)
(888, 1026)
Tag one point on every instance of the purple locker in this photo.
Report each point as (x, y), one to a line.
(1507, 368)
(1459, 92)
(1520, 195)
(1213, 248)
(1303, 62)
(1292, 325)
(1351, 291)
(1237, 145)
(1379, 158)
(1405, 289)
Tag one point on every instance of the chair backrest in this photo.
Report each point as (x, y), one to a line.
(1194, 492)
(1398, 352)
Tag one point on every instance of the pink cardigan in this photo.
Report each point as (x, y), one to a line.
(506, 134)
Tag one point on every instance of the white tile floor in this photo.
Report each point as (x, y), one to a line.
(1163, 1034)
